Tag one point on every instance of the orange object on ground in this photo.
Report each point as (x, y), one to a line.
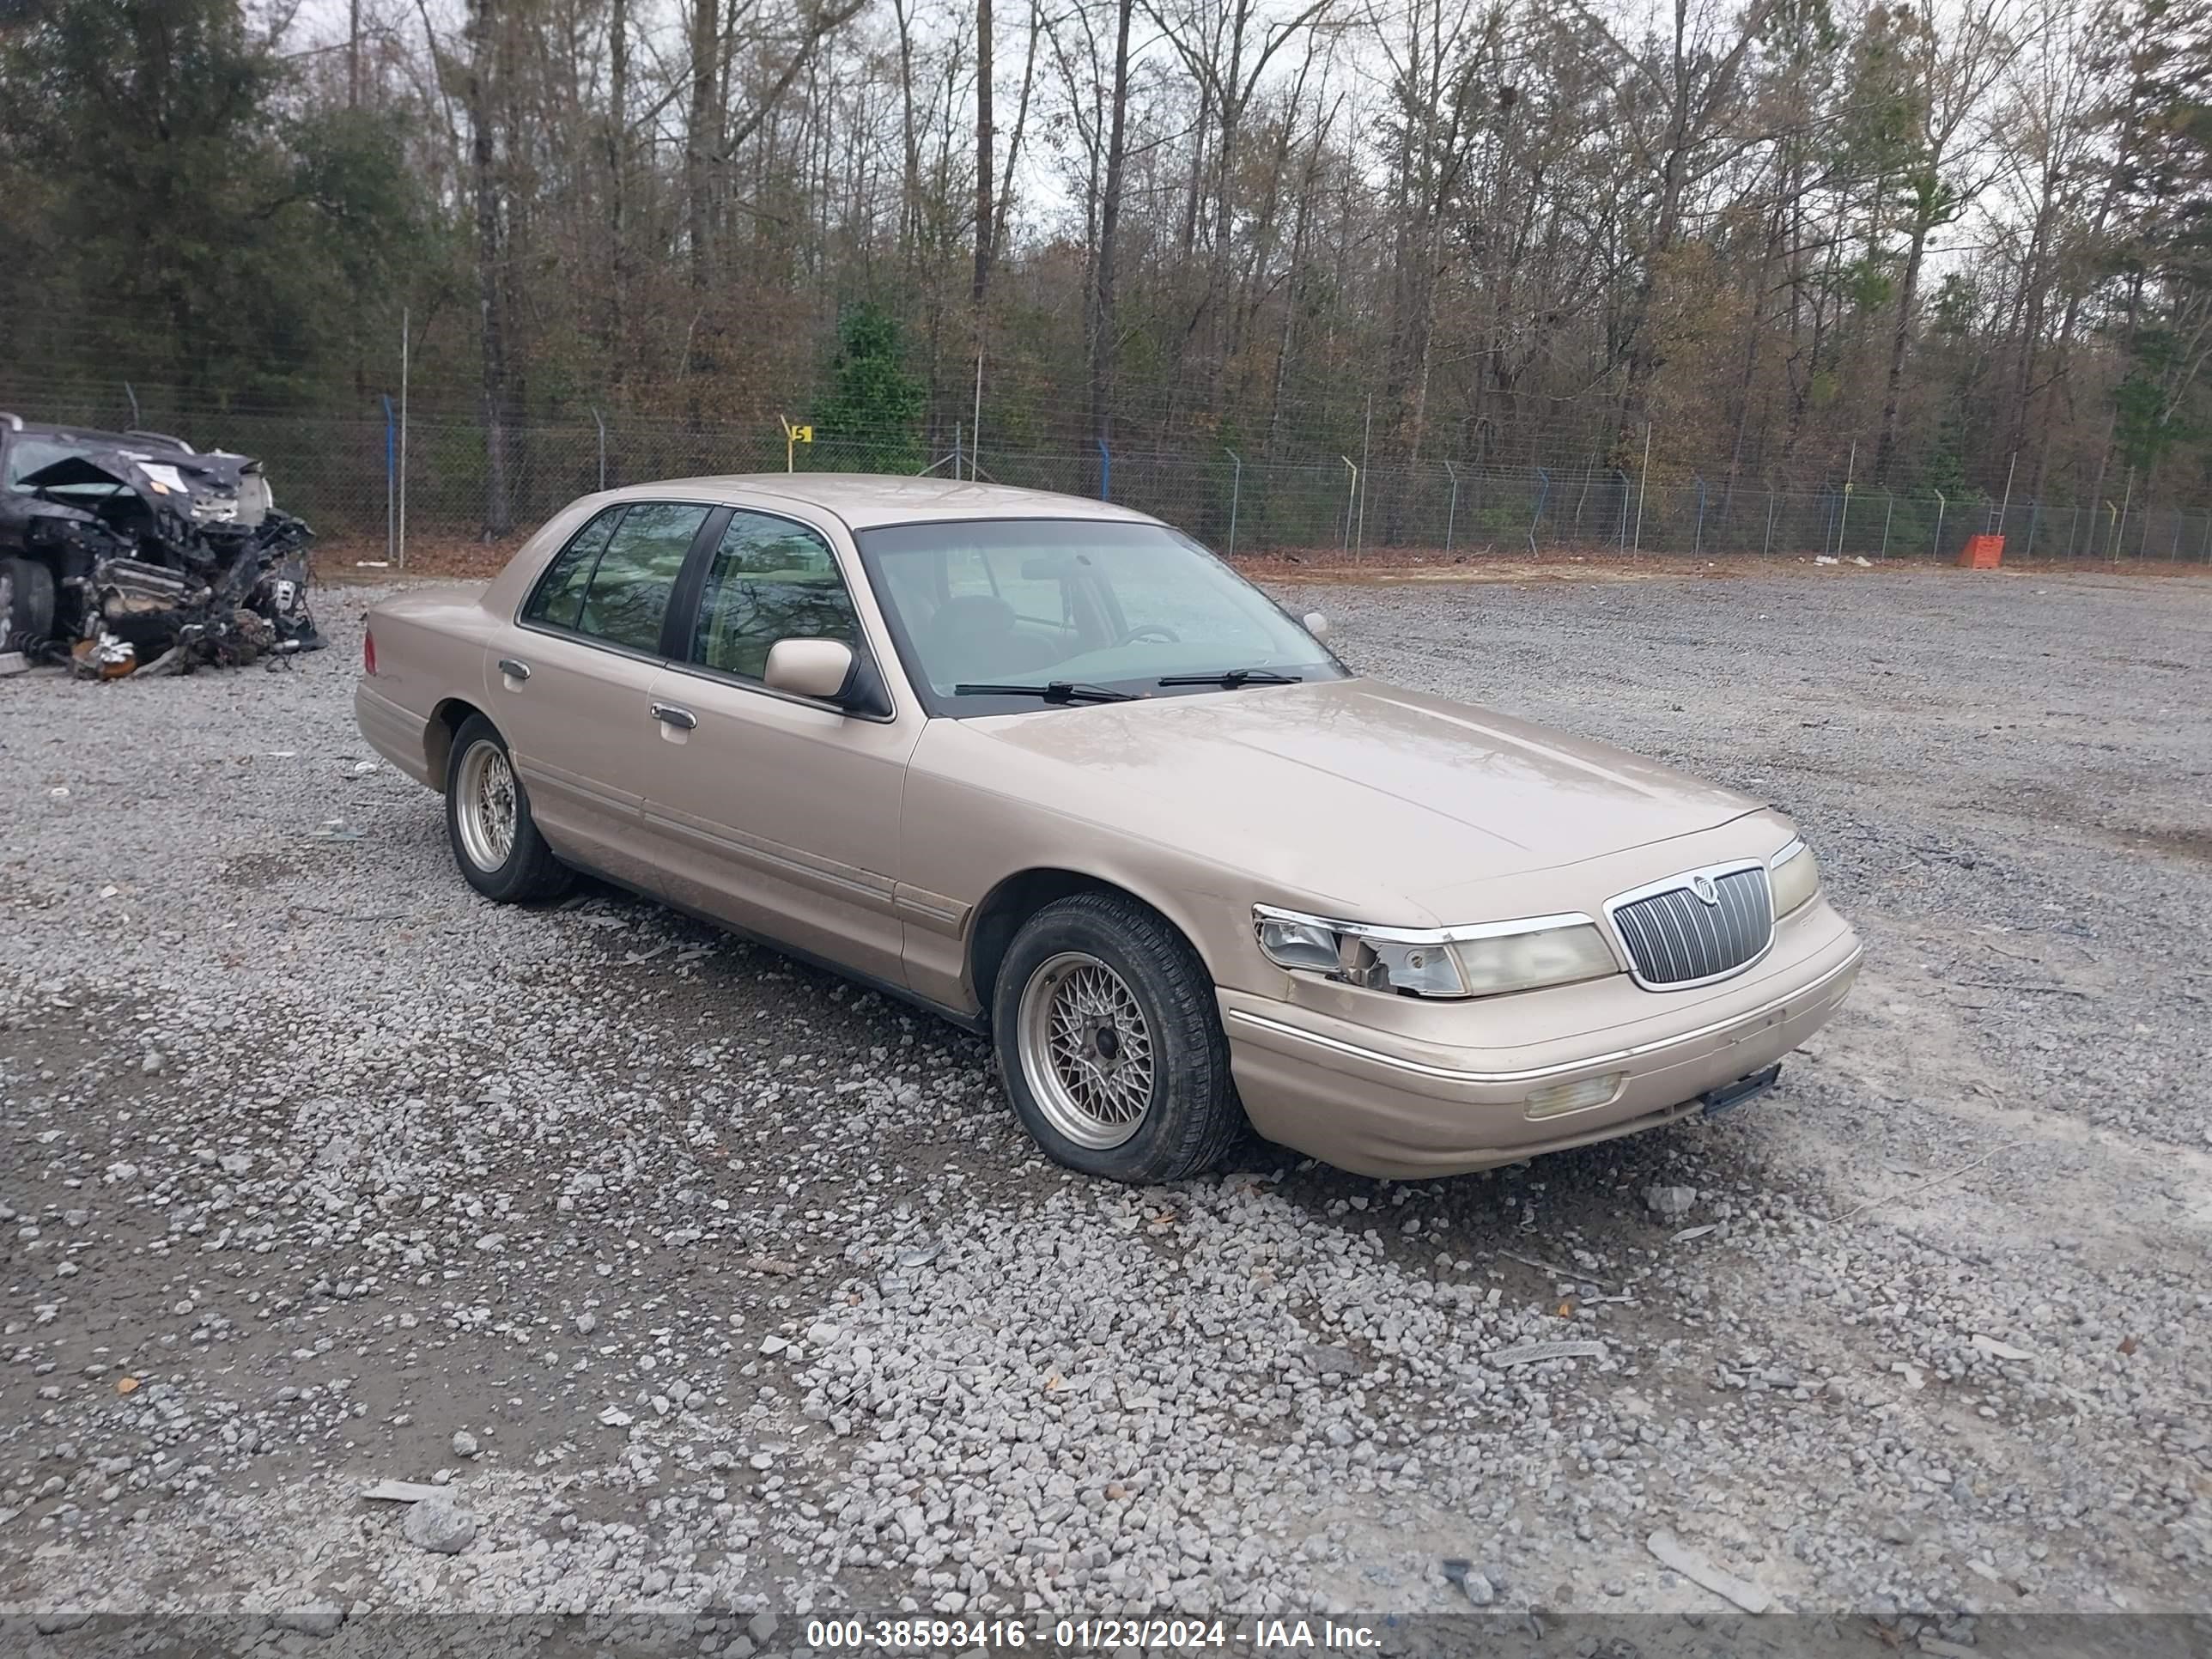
(1982, 553)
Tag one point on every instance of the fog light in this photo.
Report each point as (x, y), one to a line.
(1579, 1096)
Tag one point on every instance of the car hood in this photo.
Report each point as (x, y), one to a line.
(1419, 793)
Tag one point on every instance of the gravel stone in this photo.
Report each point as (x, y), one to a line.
(440, 1527)
(1954, 1285)
(311, 1618)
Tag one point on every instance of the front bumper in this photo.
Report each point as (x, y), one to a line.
(1380, 1104)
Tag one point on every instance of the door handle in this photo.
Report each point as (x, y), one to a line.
(669, 714)
(514, 670)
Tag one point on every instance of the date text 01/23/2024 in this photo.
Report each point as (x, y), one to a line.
(1104, 1634)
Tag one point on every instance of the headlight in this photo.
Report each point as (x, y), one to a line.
(1484, 960)
(1546, 955)
(1794, 879)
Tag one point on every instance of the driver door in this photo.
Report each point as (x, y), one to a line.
(774, 812)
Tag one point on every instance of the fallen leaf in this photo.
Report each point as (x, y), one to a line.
(1567, 1308)
(126, 1385)
(2128, 1345)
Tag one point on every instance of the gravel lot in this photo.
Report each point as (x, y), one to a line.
(697, 1277)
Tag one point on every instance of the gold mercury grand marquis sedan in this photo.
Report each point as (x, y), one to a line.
(1050, 769)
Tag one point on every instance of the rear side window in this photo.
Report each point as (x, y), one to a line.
(637, 576)
(771, 579)
(559, 592)
(615, 581)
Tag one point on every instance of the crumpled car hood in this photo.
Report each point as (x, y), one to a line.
(197, 486)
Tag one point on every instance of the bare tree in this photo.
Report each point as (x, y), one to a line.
(1954, 65)
(985, 223)
(487, 20)
(1523, 231)
(1677, 98)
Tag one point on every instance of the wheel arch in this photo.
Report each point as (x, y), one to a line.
(1019, 897)
(446, 721)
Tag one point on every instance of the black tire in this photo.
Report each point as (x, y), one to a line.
(529, 872)
(1191, 1119)
(26, 605)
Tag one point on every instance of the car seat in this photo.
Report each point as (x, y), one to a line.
(972, 637)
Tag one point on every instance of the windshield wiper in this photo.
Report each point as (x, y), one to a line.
(1232, 678)
(1051, 691)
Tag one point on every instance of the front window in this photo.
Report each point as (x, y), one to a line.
(1093, 603)
(770, 579)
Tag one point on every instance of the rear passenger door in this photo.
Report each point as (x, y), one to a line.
(772, 811)
(568, 680)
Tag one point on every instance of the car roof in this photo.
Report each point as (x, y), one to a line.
(95, 437)
(865, 500)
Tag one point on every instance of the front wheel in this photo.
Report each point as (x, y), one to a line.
(496, 841)
(26, 605)
(1105, 1026)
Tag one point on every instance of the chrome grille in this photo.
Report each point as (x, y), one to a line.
(1675, 937)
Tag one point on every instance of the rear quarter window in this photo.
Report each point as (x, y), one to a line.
(560, 594)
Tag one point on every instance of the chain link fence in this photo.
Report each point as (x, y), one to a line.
(345, 474)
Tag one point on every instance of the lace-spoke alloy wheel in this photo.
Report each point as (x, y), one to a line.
(1110, 1042)
(1087, 1051)
(486, 805)
(496, 841)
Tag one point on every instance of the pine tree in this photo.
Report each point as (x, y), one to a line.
(871, 419)
(2161, 262)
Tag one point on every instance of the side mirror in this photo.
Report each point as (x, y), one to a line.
(1316, 624)
(810, 668)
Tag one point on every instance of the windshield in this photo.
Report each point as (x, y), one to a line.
(28, 456)
(1032, 601)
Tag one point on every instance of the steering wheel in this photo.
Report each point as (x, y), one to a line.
(1156, 630)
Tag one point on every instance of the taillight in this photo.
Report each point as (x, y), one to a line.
(368, 653)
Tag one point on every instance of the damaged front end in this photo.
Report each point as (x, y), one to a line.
(133, 550)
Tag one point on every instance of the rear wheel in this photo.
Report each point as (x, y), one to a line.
(26, 605)
(494, 840)
(1113, 1053)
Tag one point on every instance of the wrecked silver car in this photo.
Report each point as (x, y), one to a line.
(133, 550)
